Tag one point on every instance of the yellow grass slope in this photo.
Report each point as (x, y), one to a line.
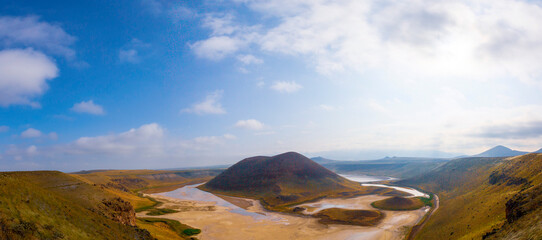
(54, 205)
(491, 198)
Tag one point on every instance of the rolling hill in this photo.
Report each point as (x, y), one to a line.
(97, 204)
(282, 180)
(490, 198)
(55, 205)
(398, 167)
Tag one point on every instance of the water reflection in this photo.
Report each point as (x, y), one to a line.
(365, 178)
(192, 193)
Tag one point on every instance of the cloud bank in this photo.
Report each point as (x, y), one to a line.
(477, 40)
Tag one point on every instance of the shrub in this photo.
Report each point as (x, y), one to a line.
(191, 231)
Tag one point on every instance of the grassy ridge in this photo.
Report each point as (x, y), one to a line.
(478, 196)
(129, 184)
(87, 205)
(54, 205)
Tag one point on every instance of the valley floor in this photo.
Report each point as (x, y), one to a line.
(247, 219)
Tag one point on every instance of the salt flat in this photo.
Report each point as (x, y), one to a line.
(220, 219)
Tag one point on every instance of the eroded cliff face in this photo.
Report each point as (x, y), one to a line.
(118, 210)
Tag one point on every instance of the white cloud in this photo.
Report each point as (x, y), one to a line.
(243, 70)
(286, 87)
(170, 9)
(251, 124)
(249, 59)
(31, 133)
(53, 136)
(220, 24)
(213, 140)
(88, 107)
(216, 48)
(24, 68)
(327, 107)
(147, 139)
(378, 107)
(129, 55)
(229, 136)
(421, 39)
(4, 129)
(210, 105)
(178, 13)
(16, 32)
(32, 150)
(226, 37)
(132, 51)
(147, 146)
(153, 6)
(23, 76)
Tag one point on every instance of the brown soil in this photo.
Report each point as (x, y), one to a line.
(350, 217)
(398, 204)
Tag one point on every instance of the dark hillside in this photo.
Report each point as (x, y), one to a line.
(283, 179)
(262, 173)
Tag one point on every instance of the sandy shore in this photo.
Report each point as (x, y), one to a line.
(228, 221)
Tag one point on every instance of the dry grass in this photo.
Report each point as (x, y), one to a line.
(471, 206)
(54, 205)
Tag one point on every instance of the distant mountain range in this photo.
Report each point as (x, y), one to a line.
(500, 151)
(405, 167)
(497, 151)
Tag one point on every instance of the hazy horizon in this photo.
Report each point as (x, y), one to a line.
(160, 84)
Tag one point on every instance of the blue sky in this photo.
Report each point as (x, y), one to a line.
(159, 84)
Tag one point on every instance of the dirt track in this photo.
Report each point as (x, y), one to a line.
(416, 229)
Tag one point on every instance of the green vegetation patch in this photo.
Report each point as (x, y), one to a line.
(427, 201)
(399, 204)
(160, 211)
(191, 231)
(179, 228)
(155, 204)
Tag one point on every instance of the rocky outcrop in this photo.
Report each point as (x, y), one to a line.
(500, 178)
(118, 210)
(523, 203)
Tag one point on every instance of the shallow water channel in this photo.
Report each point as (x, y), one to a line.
(365, 181)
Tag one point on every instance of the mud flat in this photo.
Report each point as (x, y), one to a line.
(219, 218)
